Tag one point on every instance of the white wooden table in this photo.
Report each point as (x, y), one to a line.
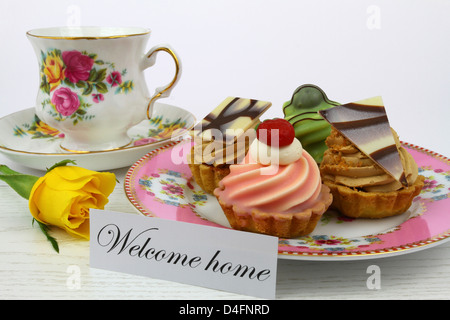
(30, 269)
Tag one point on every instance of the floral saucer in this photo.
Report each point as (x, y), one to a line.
(26, 140)
(160, 185)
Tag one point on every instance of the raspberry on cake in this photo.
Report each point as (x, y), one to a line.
(281, 129)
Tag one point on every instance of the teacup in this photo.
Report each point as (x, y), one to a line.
(92, 85)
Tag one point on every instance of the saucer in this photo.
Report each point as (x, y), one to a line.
(27, 141)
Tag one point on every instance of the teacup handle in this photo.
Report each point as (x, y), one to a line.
(161, 92)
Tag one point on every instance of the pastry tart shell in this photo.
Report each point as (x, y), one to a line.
(354, 203)
(283, 225)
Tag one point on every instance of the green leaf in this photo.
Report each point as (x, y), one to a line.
(62, 164)
(69, 83)
(44, 228)
(6, 170)
(81, 111)
(44, 85)
(81, 84)
(92, 75)
(97, 75)
(87, 90)
(101, 75)
(21, 183)
(101, 87)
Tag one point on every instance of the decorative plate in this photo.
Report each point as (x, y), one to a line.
(26, 140)
(159, 185)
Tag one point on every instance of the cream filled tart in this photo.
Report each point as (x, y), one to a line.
(277, 189)
(368, 171)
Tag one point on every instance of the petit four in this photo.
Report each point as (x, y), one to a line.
(283, 197)
(368, 171)
(223, 138)
(310, 128)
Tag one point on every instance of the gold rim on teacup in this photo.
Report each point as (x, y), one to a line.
(87, 33)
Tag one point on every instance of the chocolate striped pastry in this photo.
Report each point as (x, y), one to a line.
(366, 125)
(223, 138)
(367, 170)
(232, 118)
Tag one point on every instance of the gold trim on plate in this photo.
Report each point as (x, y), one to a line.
(92, 151)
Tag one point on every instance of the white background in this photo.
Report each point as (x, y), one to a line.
(264, 50)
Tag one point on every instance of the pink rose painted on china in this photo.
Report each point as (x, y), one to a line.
(114, 79)
(77, 66)
(65, 101)
(97, 97)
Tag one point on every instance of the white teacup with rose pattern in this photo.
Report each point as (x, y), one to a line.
(92, 86)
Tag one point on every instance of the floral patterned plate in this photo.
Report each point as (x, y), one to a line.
(26, 140)
(160, 185)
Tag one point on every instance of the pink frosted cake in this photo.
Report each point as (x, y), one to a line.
(277, 190)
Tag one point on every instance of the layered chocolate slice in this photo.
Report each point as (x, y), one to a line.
(366, 125)
(230, 119)
(223, 136)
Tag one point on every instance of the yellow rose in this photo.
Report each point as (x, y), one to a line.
(65, 194)
(54, 71)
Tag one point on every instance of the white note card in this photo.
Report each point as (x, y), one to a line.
(216, 258)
